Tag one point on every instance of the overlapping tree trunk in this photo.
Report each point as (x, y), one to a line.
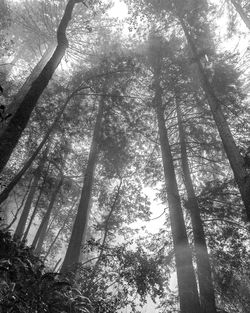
(5, 193)
(188, 293)
(42, 230)
(25, 235)
(11, 134)
(27, 207)
(77, 238)
(236, 161)
(206, 289)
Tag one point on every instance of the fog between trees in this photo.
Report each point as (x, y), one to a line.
(99, 116)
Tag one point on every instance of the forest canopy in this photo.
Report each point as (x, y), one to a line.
(124, 156)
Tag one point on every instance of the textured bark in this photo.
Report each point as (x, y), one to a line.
(188, 293)
(236, 161)
(77, 239)
(207, 297)
(13, 131)
(241, 13)
(42, 230)
(27, 207)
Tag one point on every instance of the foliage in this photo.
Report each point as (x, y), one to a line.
(27, 287)
(120, 277)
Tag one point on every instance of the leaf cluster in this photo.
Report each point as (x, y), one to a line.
(27, 287)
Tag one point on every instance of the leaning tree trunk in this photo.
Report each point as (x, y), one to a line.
(27, 207)
(10, 135)
(5, 193)
(188, 293)
(11, 109)
(77, 239)
(207, 297)
(20, 206)
(42, 230)
(241, 13)
(25, 235)
(236, 161)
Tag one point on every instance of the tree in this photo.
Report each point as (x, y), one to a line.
(235, 159)
(207, 297)
(10, 134)
(188, 293)
(42, 230)
(27, 207)
(242, 13)
(81, 221)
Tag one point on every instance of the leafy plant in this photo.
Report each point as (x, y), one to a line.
(27, 287)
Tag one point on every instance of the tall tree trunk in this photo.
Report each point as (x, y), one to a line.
(241, 13)
(236, 161)
(5, 193)
(188, 293)
(27, 207)
(36, 206)
(77, 239)
(42, 230)
(207, 297)
(32, 77)
(10, 136)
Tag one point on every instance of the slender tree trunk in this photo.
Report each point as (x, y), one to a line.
(36, 206)
(5, 193)
(42, 230)
(235, 159)
(77, 239)
(10, 136)
(27, 207)
(57, 266)
(241, 13)
(20, 206)
(207, 297)
(59, 231)
(106, 231)
(188, 293)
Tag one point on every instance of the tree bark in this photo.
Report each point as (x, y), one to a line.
(77, 239)
(17, 123)
(236, 161)
(241, 13)
(188, 293)
(42, 230)
(27, 207)
(207, 297)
